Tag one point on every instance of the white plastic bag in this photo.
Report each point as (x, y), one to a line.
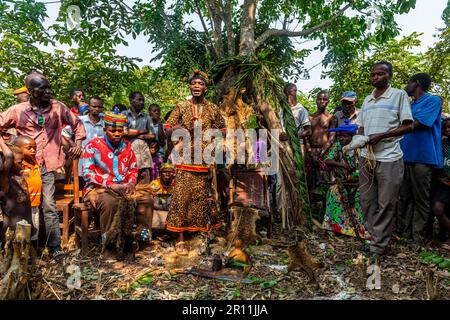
(358, 141)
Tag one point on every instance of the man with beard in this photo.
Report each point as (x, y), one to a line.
(42, 119)
(384, 118)
(139, 131)
(422, 151)
(319, 142)
(77, 99)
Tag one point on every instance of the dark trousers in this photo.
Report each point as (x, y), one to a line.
(51, 217)
(378, 196)
(414, 209)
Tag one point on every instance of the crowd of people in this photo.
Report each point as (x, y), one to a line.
(385, 166)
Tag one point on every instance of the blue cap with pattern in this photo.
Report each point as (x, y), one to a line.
(349, 96)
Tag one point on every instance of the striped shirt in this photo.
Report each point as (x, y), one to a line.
(382, 114)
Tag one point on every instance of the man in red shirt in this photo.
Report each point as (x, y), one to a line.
(110, 171)
(42, 119)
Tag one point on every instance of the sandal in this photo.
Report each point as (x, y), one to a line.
(181, 248)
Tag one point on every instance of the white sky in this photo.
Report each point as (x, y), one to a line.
(425, 18)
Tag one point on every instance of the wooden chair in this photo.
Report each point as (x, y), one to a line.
(250, 187)
(86, 231)
(82, 214)
(64, 202)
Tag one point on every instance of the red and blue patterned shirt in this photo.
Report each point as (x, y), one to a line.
(103, 165)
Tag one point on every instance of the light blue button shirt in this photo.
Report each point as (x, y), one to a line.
(92, 131)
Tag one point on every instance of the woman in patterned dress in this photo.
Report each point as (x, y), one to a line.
(190, 210)
(343, 212)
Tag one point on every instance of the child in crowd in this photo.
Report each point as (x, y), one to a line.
(157, 161)
(343, 212)
(31, 171)
(162, 188)
(441, 191)
(154, 111)
(14, 196)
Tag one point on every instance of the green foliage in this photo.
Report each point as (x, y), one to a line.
(435, 259)
(94, 66)
(181, 46)
(271, 283)
(265, 284)
(144, 280)
(438, 65)
(446, 14)
(354, 75)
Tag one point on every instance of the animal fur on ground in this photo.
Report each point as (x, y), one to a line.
(243, 226)
(301, 260)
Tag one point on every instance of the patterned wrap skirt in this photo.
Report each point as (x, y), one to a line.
(190, 209)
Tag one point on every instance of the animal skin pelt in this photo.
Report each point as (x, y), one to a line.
(301, 259)
(121, 226)
(243, 226)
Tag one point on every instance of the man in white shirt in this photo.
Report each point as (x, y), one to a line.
(300, 113)
(385, 117)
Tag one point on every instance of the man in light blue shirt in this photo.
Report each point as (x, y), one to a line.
(422, 151)
(93, 124)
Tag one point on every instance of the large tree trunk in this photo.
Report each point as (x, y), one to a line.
(292, 208)
(14, 262)
(247, 41)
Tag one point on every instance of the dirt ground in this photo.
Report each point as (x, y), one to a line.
(157, 273)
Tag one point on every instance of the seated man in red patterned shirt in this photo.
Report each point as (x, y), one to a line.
(110, 171)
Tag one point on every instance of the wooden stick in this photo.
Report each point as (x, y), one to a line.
(51, 288)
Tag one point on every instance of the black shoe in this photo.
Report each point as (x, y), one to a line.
(375, 258)
(364, 248)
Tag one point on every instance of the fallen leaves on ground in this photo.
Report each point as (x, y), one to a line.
(157, 273)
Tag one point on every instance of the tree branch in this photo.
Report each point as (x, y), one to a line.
(202, 20)
(216, 18)
(228, 14)
(283, 32)
(210, 47)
